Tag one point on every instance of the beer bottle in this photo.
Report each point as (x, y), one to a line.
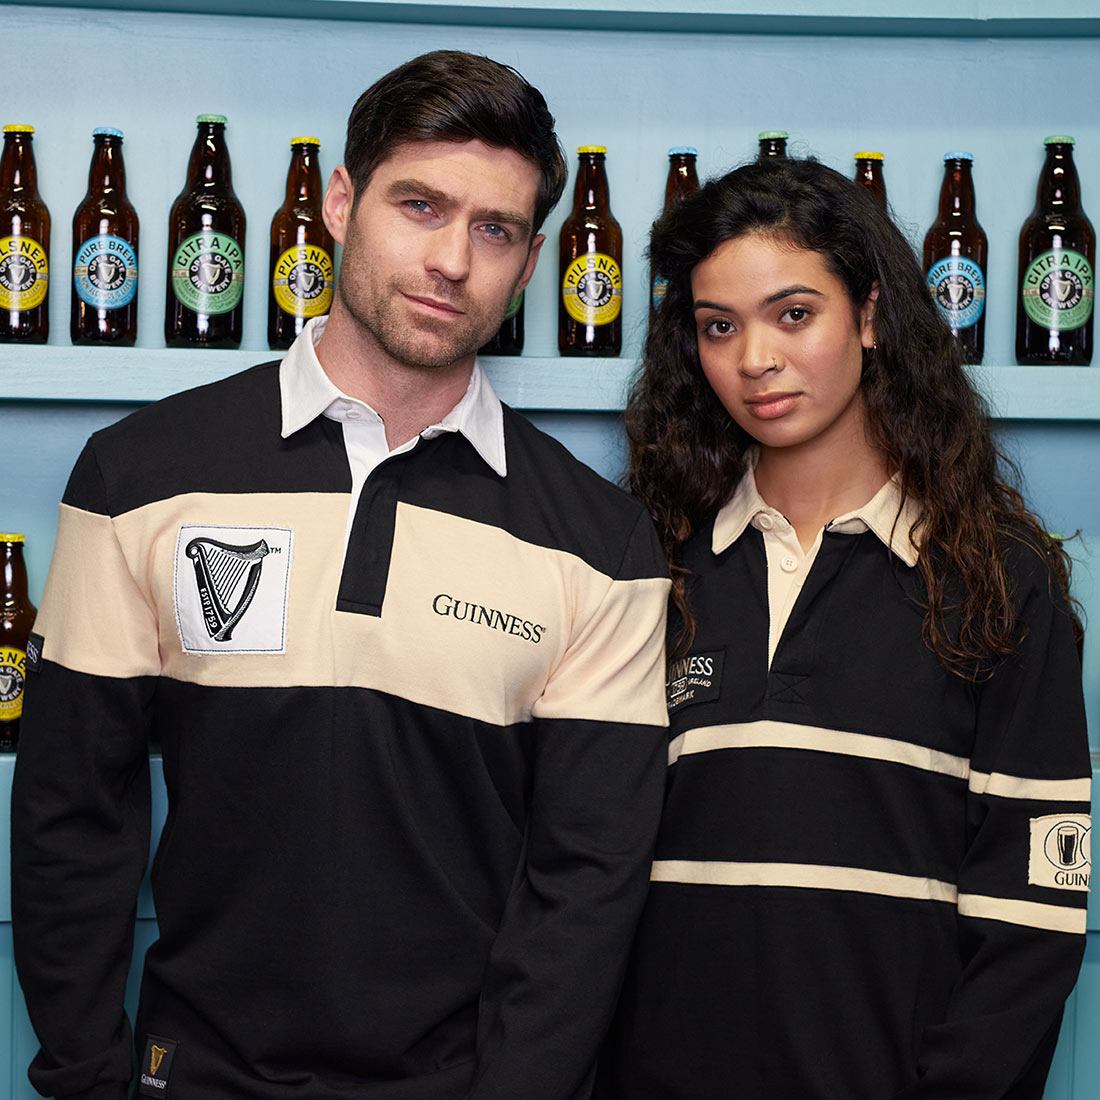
(301, 271)
(205, 249)
(24, 243)
(955, 252)
(590, 265)
(773, 143)
(16, 620)
(508, 339)
(682, 180)
(869, 173)
(105, 248)
(1057, 256)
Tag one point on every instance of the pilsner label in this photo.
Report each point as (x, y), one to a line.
(957, 286)
(1057, 290)
(208, 273)
(592, 289)
(302, 281)
(13, 670)
(24, 273)
(105, 272)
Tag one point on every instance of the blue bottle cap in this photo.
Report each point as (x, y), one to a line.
(107, 131)
(960, 155)
(683, 151)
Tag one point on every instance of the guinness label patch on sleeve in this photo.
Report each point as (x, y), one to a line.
(1061, 851)
(156, 1065)
(696, 678)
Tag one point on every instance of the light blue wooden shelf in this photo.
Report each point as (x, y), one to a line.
(526, 382)
(940, 18)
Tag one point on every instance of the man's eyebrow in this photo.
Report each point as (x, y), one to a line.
(414, 188)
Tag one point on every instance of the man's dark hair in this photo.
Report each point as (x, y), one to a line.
(449, 95)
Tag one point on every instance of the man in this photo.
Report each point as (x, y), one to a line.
(402, 654)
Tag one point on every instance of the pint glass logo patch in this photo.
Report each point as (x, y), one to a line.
(231, 587)
(1061, 851)
(156, 1066)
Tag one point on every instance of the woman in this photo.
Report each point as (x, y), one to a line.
(869, 882)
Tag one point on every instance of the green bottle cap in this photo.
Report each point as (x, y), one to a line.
(211, 118)
(772, 135)
(1058, 139)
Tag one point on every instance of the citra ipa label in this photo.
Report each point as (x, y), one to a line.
(208, 272)
(24, 273)
(592, 289)
(1058, 290)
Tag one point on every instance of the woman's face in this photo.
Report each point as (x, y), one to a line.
(781, 342)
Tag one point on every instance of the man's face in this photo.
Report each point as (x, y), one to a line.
(435, 247)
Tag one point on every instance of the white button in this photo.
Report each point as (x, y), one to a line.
(789, 565)
(764, 521)
(354, 414)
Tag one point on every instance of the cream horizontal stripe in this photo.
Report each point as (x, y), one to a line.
(1031, 914)
(808, 876)
(787, 735)
(1042, 790)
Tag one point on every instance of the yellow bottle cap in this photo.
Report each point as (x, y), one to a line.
(305, 141)
(8, 536)
(868, 156)
(592, 149)
(18, 128)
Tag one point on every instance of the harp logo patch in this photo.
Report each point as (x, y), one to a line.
(231, 588)
(156, 1066)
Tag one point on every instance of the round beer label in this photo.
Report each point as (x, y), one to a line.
(957, 286)
(592, 289)
(105, 272)
(13, 667)
(208, 272)
(302, 281)
(658, 290)
(1057, 290)
(24, 273)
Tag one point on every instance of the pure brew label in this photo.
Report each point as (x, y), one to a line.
(105, 272)
(24, 273)
(1057, 290)
(302, 281)
(208, 273)
(592, 289)
(957, 286)
(13, 671)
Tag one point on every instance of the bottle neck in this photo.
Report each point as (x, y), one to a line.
(682, 178)
(14, 574)
(1059, 187)
(303, 180)
(17, 167)
(773, 147)
(590, 191)
(957, 190)
(107, 175)
(209, 167)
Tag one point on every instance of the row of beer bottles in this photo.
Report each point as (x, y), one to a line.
(205, 280)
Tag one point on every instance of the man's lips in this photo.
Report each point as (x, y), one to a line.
(434, 305)
(769, 406)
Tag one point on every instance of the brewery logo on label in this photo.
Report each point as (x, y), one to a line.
(156, 1065)
(507, 622)
(231, 588)
(13, 670)
(302, 281)
(592, 289)
(657, 291)
(1061, 851)
(208, 273)
(24, 273)
(1058, 290)
(696, 678)
(105, 272)
(957, 286)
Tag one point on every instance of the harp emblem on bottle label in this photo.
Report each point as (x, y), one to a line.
(302, 281)
(1057, 290)
(231, 588)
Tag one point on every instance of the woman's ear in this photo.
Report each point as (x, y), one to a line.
(867, 318)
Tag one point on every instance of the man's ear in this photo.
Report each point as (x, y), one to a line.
(337, 206)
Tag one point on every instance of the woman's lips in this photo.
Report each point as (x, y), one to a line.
(770, 406)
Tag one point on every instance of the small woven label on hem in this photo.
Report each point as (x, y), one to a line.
(156, 1065)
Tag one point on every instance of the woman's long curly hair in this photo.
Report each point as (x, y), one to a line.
(687, 454)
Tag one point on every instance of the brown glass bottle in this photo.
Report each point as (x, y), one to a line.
(682, 180)
(773, 143)
(16, 620)
(105, 251)
(300, 276)
(955, 256)
(1057, 262)
(204, 306)
(24, 243)
(869, 173)
(590, 265)
(508, 339)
